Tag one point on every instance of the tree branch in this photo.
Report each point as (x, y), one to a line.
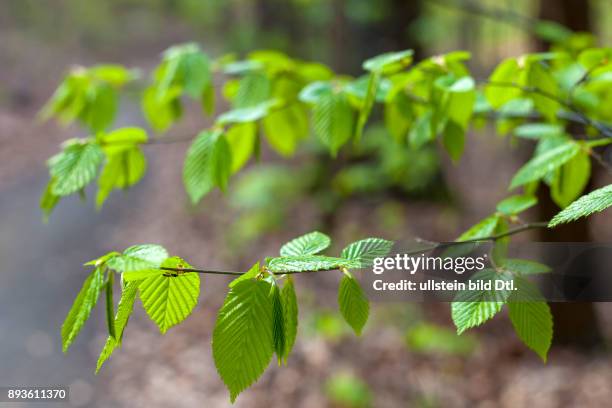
(430, 248)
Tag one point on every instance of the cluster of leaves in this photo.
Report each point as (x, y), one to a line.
(259, 316)
(541, 97)
(534, 97)
(527, 308)
(118, 153)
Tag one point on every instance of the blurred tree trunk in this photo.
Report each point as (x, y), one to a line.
(575, 323)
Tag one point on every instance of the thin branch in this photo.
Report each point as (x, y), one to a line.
(578, 115)
(430, 248)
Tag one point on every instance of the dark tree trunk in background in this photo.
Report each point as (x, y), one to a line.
(574, 323)
(355, 41)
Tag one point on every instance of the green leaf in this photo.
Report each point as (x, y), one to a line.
(124, 310)
(82, 306)
(472, 308)
(250, 114)
(250, 274)
(308, 244)
(315, 91)
(242, 342)
(168, 300)
(309, 263)
(531, 317)
(516, 204)
(538, 130)
(333, 121)
(284, 128)
(48, 200)
(506, 74)
(123, 139)
(366, 250)
(552, 31)
(453, 140)
(482, 229)
(541, 79)
(389, 63)
(208, 163)
(278, 323)
(451, 83)
(138, 257)
(75, 167)
(241, 139)
(544, 163)
(570, 180)
(421, 133)
(290, 311)
(100, 107)
(367, 104)
(354, 305)
(110, 305)
(161, 111)
(253, 89)
(523, 266)
(586, 205)
(122, 170)
(195, 73)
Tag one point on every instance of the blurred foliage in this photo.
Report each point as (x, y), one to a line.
(347, 390)
(428, 338)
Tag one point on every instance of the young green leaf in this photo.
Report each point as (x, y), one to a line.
(353, 303)
(308, 244)
(531, 317)
(48, 200)
(421, 133)
(250, 114)
(138, 257)
(124, 310)
(333, 121)
(516, 204)
(161, 111)
(367, 104)
(82, 306)
(242, 341)
(570, 180)
(473, 307)
(309, 263)
(453, 140)
(75, 167)
(538, 130)
(586, 205)
(168, 300)
(364, 251)
(523, 266)
(284, 128)
(498, 92)
(241, 140)
(278, 323)
(110, 305)
(544, 163)
(389, 62)
(250, 274)
(122, 170)
(208, 163)
(548, 90)
(253, 89)
(290, 310)
(482, 229)
(123, 139)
